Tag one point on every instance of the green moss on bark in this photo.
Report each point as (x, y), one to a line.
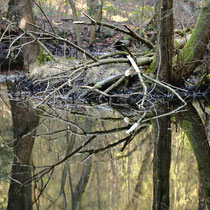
(195, 131)
(192, 53)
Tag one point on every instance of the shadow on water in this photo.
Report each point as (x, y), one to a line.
(85, 157)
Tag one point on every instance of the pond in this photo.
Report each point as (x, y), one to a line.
(82, 157)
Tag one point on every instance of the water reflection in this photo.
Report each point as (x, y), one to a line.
(83, 159)
(25, 122)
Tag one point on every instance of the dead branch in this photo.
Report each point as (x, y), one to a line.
(128, 32)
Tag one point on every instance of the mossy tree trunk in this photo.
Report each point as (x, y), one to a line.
(195, 131)
(192, 53)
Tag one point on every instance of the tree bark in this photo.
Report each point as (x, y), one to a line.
(162, 151)
(81, 186)
(85, 175)
(20, 195)
(143, 170)
(166, 39)
(191, 55)
(161, 165)
(76, 26)
(201, 203)
(21, 11)
(97, 17)
(195, 131)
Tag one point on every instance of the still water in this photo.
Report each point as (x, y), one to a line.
(74, 158)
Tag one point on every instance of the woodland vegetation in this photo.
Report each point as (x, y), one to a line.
(154, 61)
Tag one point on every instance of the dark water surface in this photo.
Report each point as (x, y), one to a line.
(72, 158)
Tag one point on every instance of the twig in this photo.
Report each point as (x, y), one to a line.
(141, 81)
(135, 125)
(10, 25)
(166, 86)
(45, 16)
(145, 41)
(12, 43)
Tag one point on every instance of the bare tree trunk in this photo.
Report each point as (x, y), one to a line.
(140, 179)
(81, 186)
(161, 164)
(85, 175)
(67, 7)
(76, 26)
(20, 195)
(166, 39)
(22, 12)
(95, 11)
(97, 17)
(195, 131)
(162, 151)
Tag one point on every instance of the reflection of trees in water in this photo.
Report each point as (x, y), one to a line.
(99, 146)
(25, 122)
(195, 131)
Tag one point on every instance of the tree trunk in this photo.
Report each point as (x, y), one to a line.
(81, 186)
(92, 7)
(201, 203)
(161, 165)
(20, 195)
(195, 131)
(191, 55)
(97, 17)
(162, 151)
(85, 175)
(142, 172)
(76, 26)
(22, 12)
(166, 39)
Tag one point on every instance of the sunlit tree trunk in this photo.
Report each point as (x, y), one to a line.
(21, 11)
(76, 26)
(20, 195)
(195, 131)
(95, 11)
